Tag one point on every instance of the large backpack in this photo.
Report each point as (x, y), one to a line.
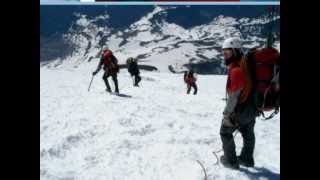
(264, 68)
(189, 78)
(110, 61)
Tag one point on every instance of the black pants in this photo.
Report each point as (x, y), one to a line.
(137, 79)
(114, 78)
(194, 86)
(247, 132)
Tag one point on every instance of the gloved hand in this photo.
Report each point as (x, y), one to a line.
(94, 73)
(227, 121)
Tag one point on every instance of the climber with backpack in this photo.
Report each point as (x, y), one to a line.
(133, 69)
(239, 112)
(253, 86)
(190, 79)
(110, 67)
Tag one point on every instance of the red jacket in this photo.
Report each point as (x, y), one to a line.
(238, 90)
(109, 63)
(189, 79)
(236, 78)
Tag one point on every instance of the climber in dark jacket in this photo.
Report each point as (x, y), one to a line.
(133, 69)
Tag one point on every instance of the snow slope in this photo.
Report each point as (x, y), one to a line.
(155, 132)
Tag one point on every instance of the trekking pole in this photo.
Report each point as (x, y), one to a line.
(90, 83)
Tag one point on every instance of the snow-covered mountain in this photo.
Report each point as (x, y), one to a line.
(156, 41)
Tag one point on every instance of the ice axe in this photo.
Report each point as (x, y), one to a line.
(90, 83)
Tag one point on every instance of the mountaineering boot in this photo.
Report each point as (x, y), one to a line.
(117, 90)
(227, 164)
(249, 162)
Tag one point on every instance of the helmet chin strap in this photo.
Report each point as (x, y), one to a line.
(228, 61)
(236, 55)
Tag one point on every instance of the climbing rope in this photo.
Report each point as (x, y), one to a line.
(216, 152)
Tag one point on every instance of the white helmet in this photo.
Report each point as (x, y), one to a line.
(234, 43)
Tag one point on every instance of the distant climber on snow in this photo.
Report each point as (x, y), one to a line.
(190, 79)
(133, 69)
(110, 67)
